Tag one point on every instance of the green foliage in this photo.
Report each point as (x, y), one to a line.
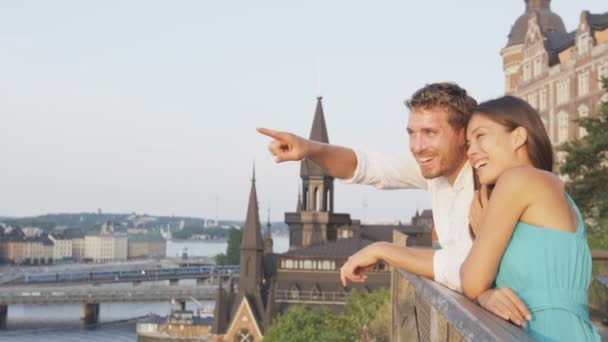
(302, 324)
(233, 249)
(365, 316)
(586, 165)
(360, 311)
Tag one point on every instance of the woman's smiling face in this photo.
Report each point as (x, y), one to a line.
(490, 148)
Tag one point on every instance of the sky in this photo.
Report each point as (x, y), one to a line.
(151, 106)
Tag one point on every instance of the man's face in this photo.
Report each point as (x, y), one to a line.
(437, 147)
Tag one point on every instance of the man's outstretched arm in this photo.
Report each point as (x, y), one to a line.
(337, 161)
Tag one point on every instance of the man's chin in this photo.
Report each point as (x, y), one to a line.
(430, 174)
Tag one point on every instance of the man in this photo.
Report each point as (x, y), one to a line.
(438, 163)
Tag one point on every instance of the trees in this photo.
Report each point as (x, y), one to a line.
(586, 166)
(365, 318)
(301, 324)
(233, 249)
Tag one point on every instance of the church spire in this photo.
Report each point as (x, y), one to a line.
(299, 205)
(318, 132)
(252, 238)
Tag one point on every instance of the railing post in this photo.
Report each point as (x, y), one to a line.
(403, 296)
(3, 315)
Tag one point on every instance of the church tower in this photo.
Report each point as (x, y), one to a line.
(252, 249)
(314, 221)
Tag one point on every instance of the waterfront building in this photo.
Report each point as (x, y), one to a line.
(146, 245)
(62, 247)
(106, 246)
(556, 71)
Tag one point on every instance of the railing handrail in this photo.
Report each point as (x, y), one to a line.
(470, 320)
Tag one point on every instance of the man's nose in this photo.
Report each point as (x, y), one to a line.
(417, 144)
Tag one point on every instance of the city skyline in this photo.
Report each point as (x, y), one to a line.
(151, 108)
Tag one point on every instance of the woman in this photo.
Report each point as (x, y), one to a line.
(531, 238)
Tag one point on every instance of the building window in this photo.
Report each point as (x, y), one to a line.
(562, 127)
(243, 336)
(583, 112)
(537, 66)
(542, 101)
(563, 94)
(526, 71)
(583, 83)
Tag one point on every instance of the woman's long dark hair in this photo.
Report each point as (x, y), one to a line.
(513, 112)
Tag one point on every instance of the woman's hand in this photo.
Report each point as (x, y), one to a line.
(357, 264)
(480, 202)
(506, 304)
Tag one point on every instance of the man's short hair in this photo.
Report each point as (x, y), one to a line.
(448, 96)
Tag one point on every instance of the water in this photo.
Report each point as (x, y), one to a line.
(117, 321)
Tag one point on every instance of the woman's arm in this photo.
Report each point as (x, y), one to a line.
(510, 198)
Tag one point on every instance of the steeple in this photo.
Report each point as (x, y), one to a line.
(252, 238)
(318, 132)
(319, 129)
(299, 205)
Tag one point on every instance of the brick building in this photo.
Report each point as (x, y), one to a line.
(557, 71)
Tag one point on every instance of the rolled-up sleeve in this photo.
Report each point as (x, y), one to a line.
(446, 266)
(387, 173)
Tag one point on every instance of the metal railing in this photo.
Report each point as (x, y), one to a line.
(423, 310)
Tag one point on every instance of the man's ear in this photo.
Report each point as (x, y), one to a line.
(519, 137)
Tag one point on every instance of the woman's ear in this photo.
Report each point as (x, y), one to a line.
(519, 136)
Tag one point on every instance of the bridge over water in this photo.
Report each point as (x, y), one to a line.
(92, 287)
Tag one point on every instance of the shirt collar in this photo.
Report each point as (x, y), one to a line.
(464, 178)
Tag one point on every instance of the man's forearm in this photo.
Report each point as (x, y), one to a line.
(413, 260)
(338, 161)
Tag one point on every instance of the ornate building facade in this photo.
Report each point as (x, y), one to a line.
(556, 71)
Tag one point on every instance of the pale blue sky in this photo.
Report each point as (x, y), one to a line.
(151, 106)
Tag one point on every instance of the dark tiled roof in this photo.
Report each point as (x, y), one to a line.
(598, 21)
(385, 233)
(549, 22)
(557, 42)
(342, 248)
(427, 213)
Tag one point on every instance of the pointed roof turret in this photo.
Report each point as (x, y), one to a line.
(319, 129)
(299, 205)
(252, 237)
(318, 133)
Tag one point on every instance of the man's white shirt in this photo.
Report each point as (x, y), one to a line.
(450, 204)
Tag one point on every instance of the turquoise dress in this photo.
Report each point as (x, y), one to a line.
(550, 271)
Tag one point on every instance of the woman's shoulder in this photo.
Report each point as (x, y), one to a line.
(530, 178)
